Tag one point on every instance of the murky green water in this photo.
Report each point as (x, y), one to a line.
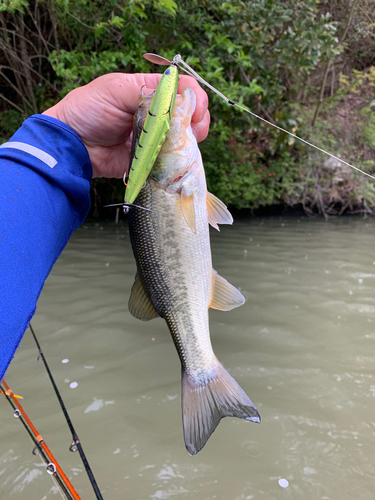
(303, 348)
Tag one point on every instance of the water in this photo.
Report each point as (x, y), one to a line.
(302, 347)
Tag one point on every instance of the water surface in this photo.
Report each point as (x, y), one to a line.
(302, 347)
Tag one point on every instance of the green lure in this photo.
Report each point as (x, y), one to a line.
(154, 132)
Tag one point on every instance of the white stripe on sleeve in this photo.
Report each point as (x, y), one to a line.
(38, 153)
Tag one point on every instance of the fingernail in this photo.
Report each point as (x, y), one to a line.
(195, 131)
(203, 110)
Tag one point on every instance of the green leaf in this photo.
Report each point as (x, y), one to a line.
(13, 6)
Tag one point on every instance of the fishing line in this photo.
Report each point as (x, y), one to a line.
(303, 140)
(76, 442)
(178, 61)
(40, 448)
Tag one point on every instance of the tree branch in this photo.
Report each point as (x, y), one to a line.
(332, 60)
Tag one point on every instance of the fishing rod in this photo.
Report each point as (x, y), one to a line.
(76, 444)
(183, 66)
(40, 448)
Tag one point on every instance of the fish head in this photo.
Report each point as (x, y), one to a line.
(179, 156)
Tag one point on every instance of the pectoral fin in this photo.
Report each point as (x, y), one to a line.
(225, 296)
(140, 306)
(217, 211)
(187, 207)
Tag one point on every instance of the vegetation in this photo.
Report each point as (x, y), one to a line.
(307, 66)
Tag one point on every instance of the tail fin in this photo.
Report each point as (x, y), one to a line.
(205, 402)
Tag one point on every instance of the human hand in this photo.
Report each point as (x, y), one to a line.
(102, 115)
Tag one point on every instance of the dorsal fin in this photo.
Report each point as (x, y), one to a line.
(217, 211)
(140, 306)
(187, 207)
(225, 296)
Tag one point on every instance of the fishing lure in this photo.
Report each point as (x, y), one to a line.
(154, 132)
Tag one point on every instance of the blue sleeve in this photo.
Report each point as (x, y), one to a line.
(45, 175)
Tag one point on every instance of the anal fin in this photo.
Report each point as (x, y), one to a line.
(225, 296)
(140, 305)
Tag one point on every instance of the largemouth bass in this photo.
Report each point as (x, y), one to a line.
(175, 279)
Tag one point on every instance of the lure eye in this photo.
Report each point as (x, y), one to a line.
(168, 71)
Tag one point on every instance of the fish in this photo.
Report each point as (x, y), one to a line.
(175, 279)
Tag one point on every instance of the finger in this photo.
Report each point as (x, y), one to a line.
(202, 98)
(124, 90)
(109, 161)
(151, 80)
(201, 118)
(129, 141)
(200, 130)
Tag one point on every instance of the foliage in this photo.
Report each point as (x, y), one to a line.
(265, 54)
(346, 127)
(13, 6)
(246, 178)
(10, 122)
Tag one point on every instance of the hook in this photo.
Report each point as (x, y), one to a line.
(127, 206)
